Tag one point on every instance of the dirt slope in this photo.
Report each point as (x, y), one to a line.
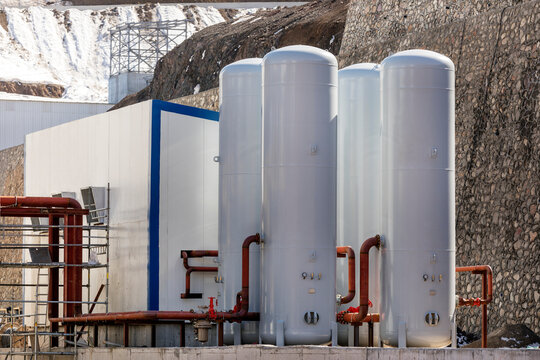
(195, 64)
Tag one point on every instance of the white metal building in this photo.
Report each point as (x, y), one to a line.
(158, 158)
(21, 117)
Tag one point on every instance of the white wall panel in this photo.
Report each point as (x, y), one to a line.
(20, 117)
(116, 148)
(188, 206)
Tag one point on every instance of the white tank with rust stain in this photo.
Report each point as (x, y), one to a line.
(418, 201)
(240, 127)
(358, 186)
(299, 196)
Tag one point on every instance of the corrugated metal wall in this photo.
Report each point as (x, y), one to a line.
(19, 117)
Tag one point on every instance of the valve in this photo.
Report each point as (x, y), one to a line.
(211, 311)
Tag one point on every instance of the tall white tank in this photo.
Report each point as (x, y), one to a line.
(358, 186)
(418, 200)
(299, 196)
(240, 132)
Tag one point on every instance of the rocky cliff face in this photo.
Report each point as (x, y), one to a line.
(195, 64)
(11, 183)
(494, 46)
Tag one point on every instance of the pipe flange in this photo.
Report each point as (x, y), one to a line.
(341, 317)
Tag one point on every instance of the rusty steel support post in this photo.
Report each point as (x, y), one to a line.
(54, 277)
(220, 333)
(96, 335)
(484, 311)
(126, 334)
(370, 334)
(182, 334)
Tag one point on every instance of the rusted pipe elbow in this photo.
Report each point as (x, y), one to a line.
(364, 274)
(245, 271)
(43, 202)
(348, 251)
(487, 277)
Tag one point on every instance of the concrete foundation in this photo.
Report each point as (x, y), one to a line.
(254, 352)
(125, 84)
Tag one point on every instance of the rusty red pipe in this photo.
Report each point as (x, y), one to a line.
(244, 294)
(37, 202)
(186, 254)
(487, 294)
(356, 318)
(351, 318)
(348, 251)
(147, 316)
(24, 206)
(242, 314)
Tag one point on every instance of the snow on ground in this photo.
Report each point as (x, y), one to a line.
(71, 47)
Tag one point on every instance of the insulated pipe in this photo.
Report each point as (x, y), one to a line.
(343, 251)
(186, 254)
(487, 294)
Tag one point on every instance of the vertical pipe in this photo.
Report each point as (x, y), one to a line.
(484, 310)
(356, 341)
(78, 259)
(68, 278)
(54, 250)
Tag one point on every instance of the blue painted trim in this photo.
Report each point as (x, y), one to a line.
(155, 161)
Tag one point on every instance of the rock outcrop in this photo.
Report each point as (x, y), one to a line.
(195, 64)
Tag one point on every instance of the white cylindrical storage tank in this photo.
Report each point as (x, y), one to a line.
(358, 186)
(298, 286)
(418, 199)
(240, 136)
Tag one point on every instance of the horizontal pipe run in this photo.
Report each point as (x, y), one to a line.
(348, 251)
(149, 316)
(352, 318)
(39, 202)
(41, 213)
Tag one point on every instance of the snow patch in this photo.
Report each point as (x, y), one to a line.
(70, 47)
(510, 339)
(242, 19)
(197, 89)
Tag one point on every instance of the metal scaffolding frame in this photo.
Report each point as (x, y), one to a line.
(29, 341)
(137, 46)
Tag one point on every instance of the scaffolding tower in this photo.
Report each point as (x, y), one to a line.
(137, 46)
(25, 329)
